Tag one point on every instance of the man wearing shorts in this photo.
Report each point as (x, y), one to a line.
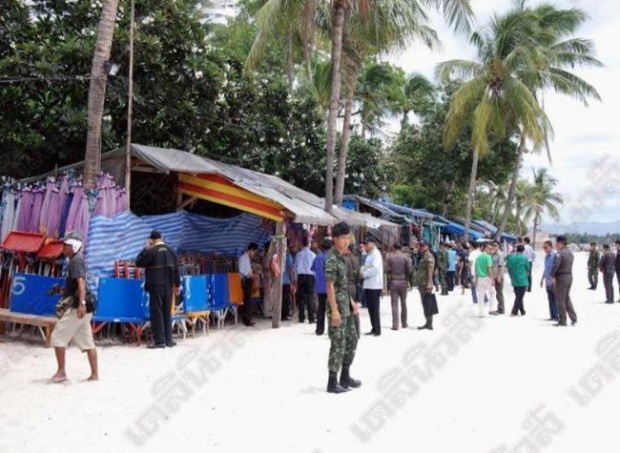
(74, 326)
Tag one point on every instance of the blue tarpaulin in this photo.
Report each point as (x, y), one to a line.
(122, 237)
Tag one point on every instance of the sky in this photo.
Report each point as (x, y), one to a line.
(586, 139)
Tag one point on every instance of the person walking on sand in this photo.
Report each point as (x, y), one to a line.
(547, 280)
(246, 271)
(305, 282)
(518, 267)
(485, 280)
(340, 312)
(562, 274)
(424, 281)
(74, 325)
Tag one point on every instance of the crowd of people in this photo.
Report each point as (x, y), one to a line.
(329, 285)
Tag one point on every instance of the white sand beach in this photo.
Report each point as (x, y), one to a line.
(268, 393)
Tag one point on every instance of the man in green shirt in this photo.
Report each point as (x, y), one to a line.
(340, 311)
(518, 267)
(485, 280)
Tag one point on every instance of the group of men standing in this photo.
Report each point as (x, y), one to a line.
(608, 263)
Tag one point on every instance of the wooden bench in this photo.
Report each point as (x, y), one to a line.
(45, 324)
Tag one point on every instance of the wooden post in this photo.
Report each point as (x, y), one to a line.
(129, 108)
(276, 293)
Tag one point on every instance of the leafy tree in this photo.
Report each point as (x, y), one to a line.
(430, 176)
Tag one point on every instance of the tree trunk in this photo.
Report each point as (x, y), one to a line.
(280, 241)
(513, 188)
(536, 220)
(471, 193)
(96, 92)
(334, 104)
(290, 63)
(344, 148)
(405, 119)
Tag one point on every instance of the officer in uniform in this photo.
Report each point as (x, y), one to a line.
(424, 279)
(399, 273)
(593, 261)
(353, 279)
(340, 312)
(442, 262)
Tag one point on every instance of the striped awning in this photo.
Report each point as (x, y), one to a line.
(219, 190)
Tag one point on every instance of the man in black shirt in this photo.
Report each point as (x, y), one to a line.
(74, 325)
(161, 275)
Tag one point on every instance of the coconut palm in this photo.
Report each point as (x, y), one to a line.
(542, 200)
(417, 90)
(519, 54)
(556, 53)
(96, 92)
(374, 27)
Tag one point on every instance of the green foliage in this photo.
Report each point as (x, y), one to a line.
(429, 176)
(366, 172)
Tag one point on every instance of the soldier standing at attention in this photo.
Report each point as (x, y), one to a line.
(593, 261)
(562, 273)
(399, 273)
(442, 262)
(340, 311)
(607, 264)
(353, 278)
(424, 279)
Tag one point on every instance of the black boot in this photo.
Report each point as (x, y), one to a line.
(333, 386)
(428, 325)
(346, 381)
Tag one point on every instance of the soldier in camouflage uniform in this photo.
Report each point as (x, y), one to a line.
(340, 312)
(424, 279)
(442, 264)
(593, 261)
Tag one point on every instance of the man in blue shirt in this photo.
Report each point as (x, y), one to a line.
(451, 274)
(305, 282)
(547, 279)
(318, 267)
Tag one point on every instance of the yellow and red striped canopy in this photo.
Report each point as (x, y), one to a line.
(220, 190)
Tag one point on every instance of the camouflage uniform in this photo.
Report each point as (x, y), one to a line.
(442, 264)
(344, 337)
(593, 261)
(421, 279)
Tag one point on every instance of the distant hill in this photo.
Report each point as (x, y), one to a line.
(595, 228)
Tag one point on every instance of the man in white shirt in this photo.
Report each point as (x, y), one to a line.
(245, 269)
(305, 282)
(474, 253)
(531, 256)
(372, 273)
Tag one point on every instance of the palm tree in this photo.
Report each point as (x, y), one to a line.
(523, 196)
(555, 54)
(96, 92)
(374, 27)
(493, 101)
(542, 200)
(417, 89)
(519, 54)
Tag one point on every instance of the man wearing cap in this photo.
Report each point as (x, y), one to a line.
(372, 273)
(74, 326)
(399, 273)
(161, 275)
(424, 280)
(340, 312)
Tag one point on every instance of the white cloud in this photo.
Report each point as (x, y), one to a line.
(582, 134)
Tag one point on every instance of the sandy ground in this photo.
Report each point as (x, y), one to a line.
(267, 393)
